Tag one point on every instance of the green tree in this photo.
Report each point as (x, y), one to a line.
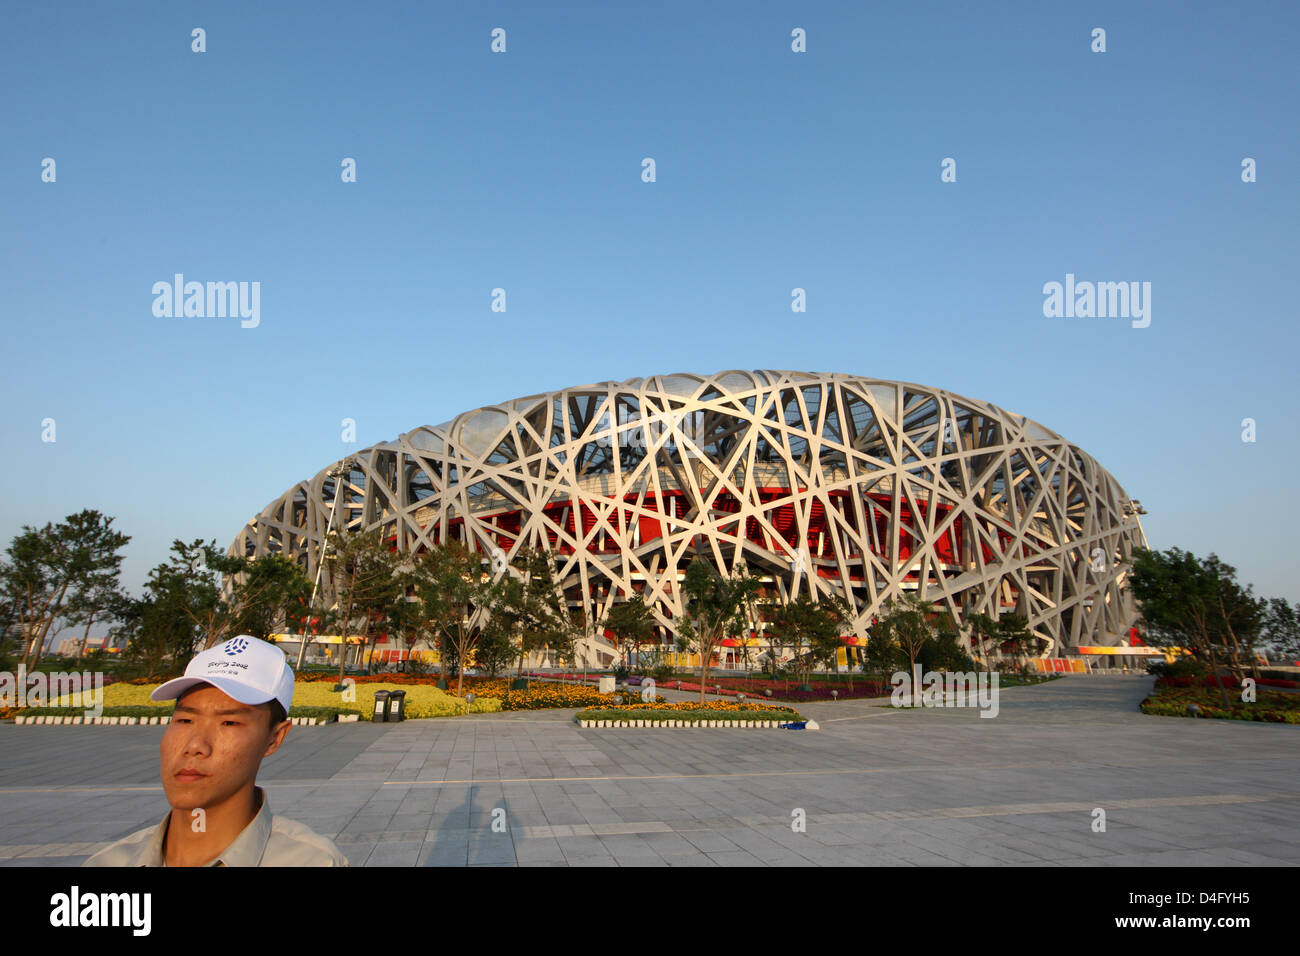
(45, 566)
(495, 648)
(1280, 631)
(882, 653)
(267, 595)
(1013, 629)
(715, 607)
(904, 623)
(534, 603)
(457, 596)
(1198, 605)
(983, 630)
(633, 624)
(367, 587)
(813, 629)
(945, 653)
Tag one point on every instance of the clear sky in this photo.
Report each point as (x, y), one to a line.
(522, 170)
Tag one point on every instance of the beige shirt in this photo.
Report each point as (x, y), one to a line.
(266, 841)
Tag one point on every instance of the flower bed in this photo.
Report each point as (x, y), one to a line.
(782, 689)
(1223, 681)
(1172, 698)
(729, 710)
(421, 701)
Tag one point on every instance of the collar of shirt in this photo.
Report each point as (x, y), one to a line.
(245, 850)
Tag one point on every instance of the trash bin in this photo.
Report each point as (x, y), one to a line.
(397, 705)
(381, 707)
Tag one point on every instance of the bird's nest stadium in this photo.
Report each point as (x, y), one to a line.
(819, 483)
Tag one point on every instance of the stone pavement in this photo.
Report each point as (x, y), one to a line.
(877, 786)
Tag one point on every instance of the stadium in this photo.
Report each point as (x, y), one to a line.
(818, 483)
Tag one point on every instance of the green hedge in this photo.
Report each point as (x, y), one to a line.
(1172, 708)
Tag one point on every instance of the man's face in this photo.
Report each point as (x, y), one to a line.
(213, 746)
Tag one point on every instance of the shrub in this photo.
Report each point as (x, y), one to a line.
(1182, 667)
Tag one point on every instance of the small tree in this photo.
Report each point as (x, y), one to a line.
(632, 622)
(534, 603)
(1280, 630)
(983, 630)
(813, 629)
(945, 653)
(367, 585)
(1013, 629)
(882, 653)
(457, 597)
(715, 607)
(904, 623)
(495, 648)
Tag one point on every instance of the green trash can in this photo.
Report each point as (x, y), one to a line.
(381, 707)
(396, 705)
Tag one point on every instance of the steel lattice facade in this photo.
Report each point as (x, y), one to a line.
(816, 482)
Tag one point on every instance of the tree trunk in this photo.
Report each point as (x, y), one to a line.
(81, 651)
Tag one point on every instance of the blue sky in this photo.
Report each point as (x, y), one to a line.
(522, 170)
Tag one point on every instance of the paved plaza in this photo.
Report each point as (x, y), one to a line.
(878, 786)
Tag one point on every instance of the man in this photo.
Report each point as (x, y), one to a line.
(231, 709)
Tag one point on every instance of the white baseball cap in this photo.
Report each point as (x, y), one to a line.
(249, 670)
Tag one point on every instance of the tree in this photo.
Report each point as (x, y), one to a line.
(715, 607)
(533, 604)
(100, 604)
(267, 594)
(367, 585)
(904, 623)
(945, 653)
(882, 653)
(94, 591)
(48, 564)
(1197, 604)
(457, 597)
(983, 629)
(632, 622)
(1280, 631)
(495, 648)
(1013, 629)
(8, 629)
(813, 629)
(161, 637)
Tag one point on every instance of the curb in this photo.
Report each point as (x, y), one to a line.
(49, 720)
(708, 724)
